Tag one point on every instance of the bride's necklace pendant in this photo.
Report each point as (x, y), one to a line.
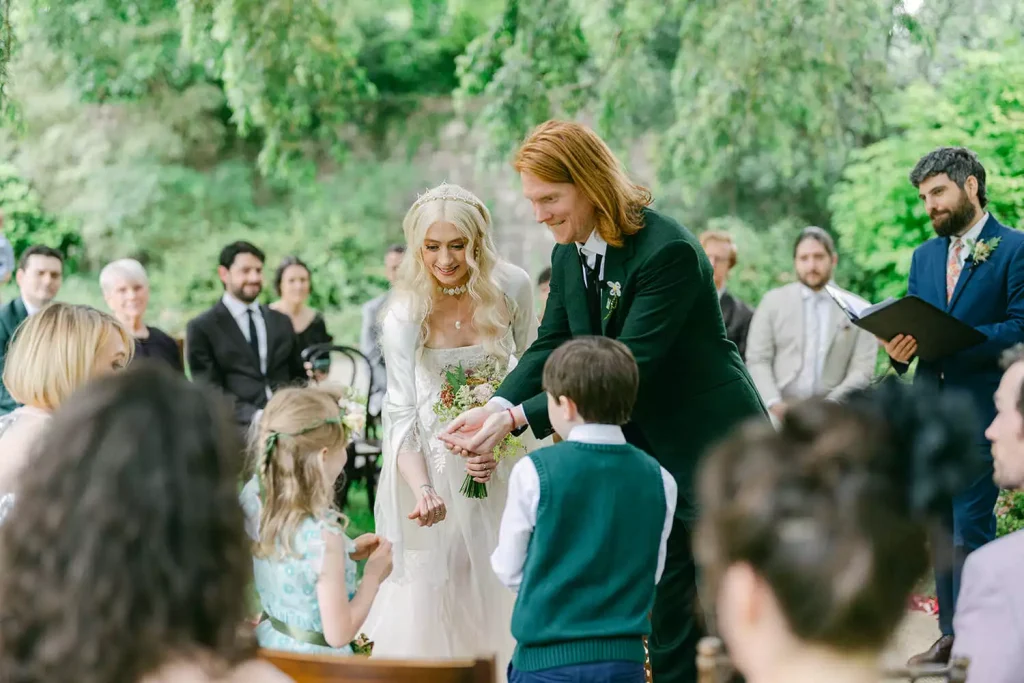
(454, 291)
(458, 324)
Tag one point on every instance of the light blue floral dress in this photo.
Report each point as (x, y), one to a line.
(287, 586)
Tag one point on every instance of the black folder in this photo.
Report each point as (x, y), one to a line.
(938, 334)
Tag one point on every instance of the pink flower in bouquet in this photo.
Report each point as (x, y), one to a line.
(483, 393)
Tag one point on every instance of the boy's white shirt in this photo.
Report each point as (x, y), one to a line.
(520, 516)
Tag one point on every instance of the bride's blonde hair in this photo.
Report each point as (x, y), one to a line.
(460, 207)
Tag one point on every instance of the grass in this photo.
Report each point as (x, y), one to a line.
(358, 511)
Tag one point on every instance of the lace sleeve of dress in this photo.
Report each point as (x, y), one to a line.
(412, 441)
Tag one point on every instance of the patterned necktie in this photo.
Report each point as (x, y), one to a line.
(953, 268)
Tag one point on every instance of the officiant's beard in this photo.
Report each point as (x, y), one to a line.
(954, 222)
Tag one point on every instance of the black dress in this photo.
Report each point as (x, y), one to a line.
(161, 346)
(315, 333)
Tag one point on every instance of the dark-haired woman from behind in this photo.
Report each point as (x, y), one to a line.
(813, 536)
(125, 558)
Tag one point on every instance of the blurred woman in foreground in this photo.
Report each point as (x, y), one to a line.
(812, 537)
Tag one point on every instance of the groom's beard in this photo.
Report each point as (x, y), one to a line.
(949, 223)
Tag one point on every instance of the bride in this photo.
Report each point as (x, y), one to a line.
(455, 303)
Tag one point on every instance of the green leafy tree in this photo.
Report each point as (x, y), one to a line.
(27, 223)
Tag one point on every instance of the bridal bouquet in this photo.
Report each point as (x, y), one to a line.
(463, 389)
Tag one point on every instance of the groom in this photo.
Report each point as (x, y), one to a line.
(625, 271)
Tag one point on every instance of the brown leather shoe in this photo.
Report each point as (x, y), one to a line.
(938, 653)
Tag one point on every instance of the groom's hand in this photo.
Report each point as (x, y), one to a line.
(483, 440)
(458, 434)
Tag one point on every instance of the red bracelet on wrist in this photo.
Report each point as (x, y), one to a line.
(513, 416)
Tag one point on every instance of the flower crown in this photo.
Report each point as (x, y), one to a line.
(452, 193)
(351, 416)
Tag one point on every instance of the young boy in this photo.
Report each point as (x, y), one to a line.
(583, 536)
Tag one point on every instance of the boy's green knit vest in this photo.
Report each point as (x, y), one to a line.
(588, 582)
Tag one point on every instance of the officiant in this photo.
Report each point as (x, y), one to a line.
(974, 270)
(626, 271)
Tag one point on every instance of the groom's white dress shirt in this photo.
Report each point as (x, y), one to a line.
(520, 517)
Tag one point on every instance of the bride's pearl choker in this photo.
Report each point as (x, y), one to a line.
(454, 291)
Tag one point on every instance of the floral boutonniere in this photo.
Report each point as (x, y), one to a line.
(614, 292)
(981, 250)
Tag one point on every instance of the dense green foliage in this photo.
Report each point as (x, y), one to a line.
(161, 129)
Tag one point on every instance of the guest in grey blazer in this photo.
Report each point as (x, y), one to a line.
(800, 342)
(989, 620)
(369, 339)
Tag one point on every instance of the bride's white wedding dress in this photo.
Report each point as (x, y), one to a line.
(442, 599)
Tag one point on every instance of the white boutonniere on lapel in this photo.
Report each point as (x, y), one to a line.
(614, 292)
(981, 250)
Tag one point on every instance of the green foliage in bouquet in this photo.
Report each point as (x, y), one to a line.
(465, 389)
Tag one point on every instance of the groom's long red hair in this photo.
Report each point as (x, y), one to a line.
(568, 152)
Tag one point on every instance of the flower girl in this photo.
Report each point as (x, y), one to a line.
(304, 564)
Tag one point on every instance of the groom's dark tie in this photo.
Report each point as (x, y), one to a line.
(593, 290)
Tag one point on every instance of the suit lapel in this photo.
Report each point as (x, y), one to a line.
(574, 293)
(987, 233)
(615, 271)
(230, 327)
(939, 276)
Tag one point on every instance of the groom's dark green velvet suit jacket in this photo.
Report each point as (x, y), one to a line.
(693, 385)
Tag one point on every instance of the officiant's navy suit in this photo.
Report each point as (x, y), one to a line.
(989, 296)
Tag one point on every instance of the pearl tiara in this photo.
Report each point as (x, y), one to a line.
(452, 193)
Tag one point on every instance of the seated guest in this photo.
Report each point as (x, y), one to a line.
(736, 314)
(813, 536)
(293, 283)
(305, 565)
(125, 558)
(800, 343)
(245, 349)
(369, 340)
(39, 276)
(126, 290)
(53, 354)
(582, 607)
(989, 620)
(543, 289)
(7, 261)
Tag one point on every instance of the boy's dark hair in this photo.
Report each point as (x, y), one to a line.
(545, 276)
(956, 162)
(229, 253)
(598, 374)
(817, 234)
(38, 250)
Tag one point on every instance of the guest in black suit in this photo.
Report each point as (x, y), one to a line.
(245, 349)
(721, 251)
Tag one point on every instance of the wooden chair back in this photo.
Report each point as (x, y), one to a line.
(303, 668)
(714, 666)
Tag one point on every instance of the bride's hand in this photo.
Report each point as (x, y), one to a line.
(430, 510)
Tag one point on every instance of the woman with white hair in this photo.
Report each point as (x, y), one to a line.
(456, 309)
(125, 288)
